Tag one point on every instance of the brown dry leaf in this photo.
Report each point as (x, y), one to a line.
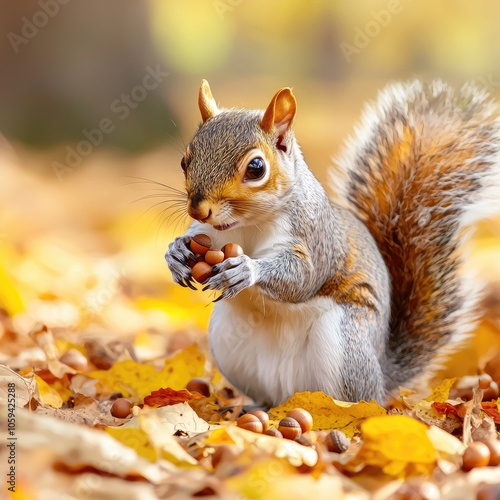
(328, 413)
(44, 339)
(24, 387)
(151, 433)
(136, 380)
(207, 408)
(79, 447)
(397, 444)
(169, 420)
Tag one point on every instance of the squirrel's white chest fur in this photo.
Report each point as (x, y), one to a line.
(270, 350)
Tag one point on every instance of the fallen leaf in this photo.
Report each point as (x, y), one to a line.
(10, 299)
(136, 439)
(492, 408)
(442, 392)
(445, 408)
(165, 397)
(12, 383)
(137, 380)
(81, 447)
(44, 339)
(328, 413)
(399, 445)
(169, 420)
(48, 395)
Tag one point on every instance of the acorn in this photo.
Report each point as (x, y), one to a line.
(491, 392)
(250, 423)
(263, 417)
(290, 428)
(200, 244)
(336, 441)
(494, 447)
(232, 250)
(477, 454)
(484, 381)
(303, 417)
(193, 262)
(214, 256)
(201, 271)
(121, 408)
(273, 432)
(198, 385)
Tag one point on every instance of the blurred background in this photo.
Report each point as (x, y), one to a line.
(94, 95)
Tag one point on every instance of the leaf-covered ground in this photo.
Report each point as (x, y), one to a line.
(88, 316)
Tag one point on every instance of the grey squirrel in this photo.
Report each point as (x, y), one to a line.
(353, 294)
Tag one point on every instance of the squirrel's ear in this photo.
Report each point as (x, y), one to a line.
(206, 102)
(280, 113)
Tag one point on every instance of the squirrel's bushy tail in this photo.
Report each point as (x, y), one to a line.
(423, 166)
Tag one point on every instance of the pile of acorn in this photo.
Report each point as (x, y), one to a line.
(206, 256)
(294, 426)
(481, 454)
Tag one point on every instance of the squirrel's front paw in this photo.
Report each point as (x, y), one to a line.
(177, 257)
(232, 276)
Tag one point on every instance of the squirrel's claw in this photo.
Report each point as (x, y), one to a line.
(177, 258)
(189, 283)
(232, 276)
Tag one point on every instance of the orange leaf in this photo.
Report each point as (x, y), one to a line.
(445, 408)
(168, 396)
(491, 408)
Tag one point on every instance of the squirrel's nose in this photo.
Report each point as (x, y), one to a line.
(199, 209)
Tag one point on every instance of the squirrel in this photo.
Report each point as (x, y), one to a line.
(356, 293)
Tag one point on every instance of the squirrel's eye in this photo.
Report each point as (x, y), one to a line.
(183, 164)
(256, 169)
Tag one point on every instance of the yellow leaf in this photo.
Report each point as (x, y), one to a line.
(48, 395)
(136, 380)
(219, 436)
(257, 480)
(63, 345)
(328, 413)
(136, 439)
(441, 393)
(290, 485)
(10, 299)
(398, 444)
(180, 369)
